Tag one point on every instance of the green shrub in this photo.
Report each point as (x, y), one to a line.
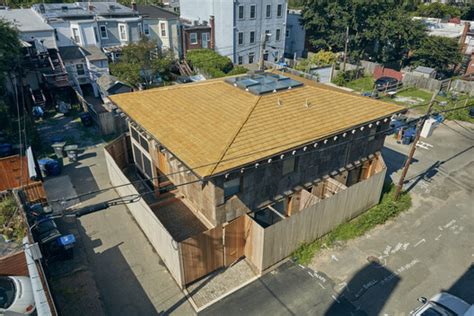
(7, 209)
(237, 70)
(205, 59)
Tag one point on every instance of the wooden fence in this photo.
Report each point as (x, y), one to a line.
(159, 237)
(266, 246)
(108, 122)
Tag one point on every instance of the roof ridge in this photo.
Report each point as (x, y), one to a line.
(232, 139)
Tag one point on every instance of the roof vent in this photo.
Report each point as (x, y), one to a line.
(64, 8)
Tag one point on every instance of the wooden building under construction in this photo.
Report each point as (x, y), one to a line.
(249, 166)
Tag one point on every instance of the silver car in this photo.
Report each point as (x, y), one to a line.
(443, 304)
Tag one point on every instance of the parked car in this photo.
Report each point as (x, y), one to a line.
(386, 84)
(16, 295)
(443, 304)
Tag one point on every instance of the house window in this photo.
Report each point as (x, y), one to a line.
(268, 13)
(268, 35)
(252, 37)
(232, 187)
(288, 165)
(75, 35)
(193, 38)
(205, 40)
(279, 10)
(372, 133)
(163, 28)
(146, 29)
(142, 162)
(277, 35)
(240, 60)
(241, 38)
(241, 12)
(103, 32)
(287, 33)
(122, 32)
(80, 69)
(251, 58)
(253, 11)
(140, 30)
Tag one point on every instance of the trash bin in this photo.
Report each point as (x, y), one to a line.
(71, 152)
(59, 149)
(49, 167)
(86, 119)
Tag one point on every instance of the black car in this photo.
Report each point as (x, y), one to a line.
(384, 84)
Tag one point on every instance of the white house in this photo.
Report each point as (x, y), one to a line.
(240, 26)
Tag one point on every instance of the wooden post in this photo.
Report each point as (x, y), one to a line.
(419, 126)
(345, 49)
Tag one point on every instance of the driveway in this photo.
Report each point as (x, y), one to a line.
(425, 250)
(115, 271)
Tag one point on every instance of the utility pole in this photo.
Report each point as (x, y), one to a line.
(261, 62)
(345, 49)
(419, 126)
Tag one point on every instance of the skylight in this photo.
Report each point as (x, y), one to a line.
(261, 83)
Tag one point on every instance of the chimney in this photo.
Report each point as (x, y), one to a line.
(134, 5)
(90, 7)
(213, 33)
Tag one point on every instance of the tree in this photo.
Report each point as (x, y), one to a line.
(9, 49)
(440, 53)
(392, 36)
(438, 10)
(141, 63)
(381, 31)
(468, 12)
(323, 58)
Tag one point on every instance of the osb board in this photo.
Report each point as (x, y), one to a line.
(213, 126)
(202, 254)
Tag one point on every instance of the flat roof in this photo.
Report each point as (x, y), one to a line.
(81, 9)
(155, 12)
(213, 126)
(25, 20)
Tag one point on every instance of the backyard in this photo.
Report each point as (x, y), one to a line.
(418, 99)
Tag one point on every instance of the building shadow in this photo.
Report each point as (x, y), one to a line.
(367, 292)
(120, 290)
(464, 286)
(394, 161)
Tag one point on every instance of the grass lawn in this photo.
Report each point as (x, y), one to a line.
(378, 214)
(361, 84)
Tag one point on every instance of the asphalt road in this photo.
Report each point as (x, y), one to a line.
(428, 249)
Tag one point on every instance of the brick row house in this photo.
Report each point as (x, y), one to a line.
(247, 154)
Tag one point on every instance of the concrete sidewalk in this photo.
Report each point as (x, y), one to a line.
(131, 278)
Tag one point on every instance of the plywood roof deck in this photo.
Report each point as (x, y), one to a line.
(213, 126)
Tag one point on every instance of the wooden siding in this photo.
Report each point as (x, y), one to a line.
(202, 254)
(10, 172)
(265, 247)
(234, 240)
(14, 264)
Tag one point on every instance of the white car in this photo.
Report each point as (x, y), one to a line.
(443, 304)
(16, 295)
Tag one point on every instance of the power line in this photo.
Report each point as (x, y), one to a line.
(241, 170)
(135, 197)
